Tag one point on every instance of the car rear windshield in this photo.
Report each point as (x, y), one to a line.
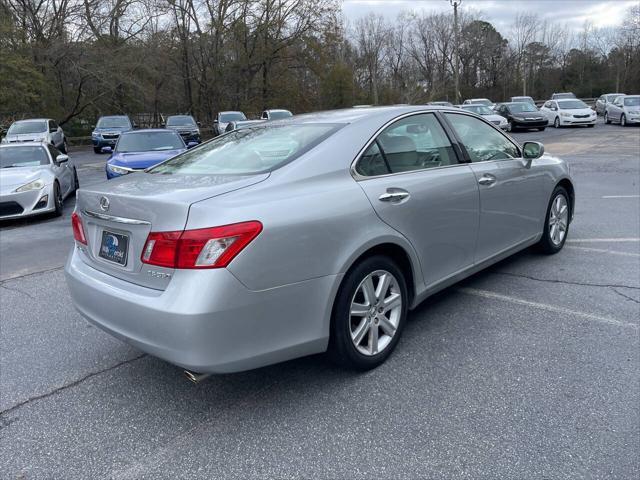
(631, 101)
(572, 104)
(232, 117)
(279, 115)
(564, 95)
(481, 101)
(36, 126)
(479, 109)
(113, 122)
(180, 120)
(250, 150)
(522, 107)
(149, 142)
(30, 156)
(523, 100)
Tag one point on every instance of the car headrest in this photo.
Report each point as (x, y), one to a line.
(397, 144)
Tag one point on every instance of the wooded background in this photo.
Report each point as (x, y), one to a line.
(77, 59)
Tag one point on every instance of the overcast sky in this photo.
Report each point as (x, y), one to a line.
(602, 13)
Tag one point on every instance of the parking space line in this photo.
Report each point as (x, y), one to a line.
(603, 240)
(547, 307)
(621, 196)
(601, 250)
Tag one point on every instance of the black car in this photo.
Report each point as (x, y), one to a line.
(186, 126)
(522, 115)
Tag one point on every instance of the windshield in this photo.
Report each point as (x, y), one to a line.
(479, 109)
(149, 142)
(572, 105)
(611, 97)
(36, 126)
(250, 150)
(23, 156)
(523, 100)
(181, 120)
(280, 114)
(631, 101)
(232, 116)
(522, 107)
(113, 122)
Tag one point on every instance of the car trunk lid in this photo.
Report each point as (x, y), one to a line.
(118, 215)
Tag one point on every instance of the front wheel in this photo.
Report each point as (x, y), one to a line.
(607, 120)
(97, 150)
(591, 125)
(57, 200)
(76, 182)
(541, 129)
(64, 147)
(556, 122)
(623, 120)
(369, 314)
(556, 225)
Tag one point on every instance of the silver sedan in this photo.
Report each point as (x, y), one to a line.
(35, 178)
(311, 234)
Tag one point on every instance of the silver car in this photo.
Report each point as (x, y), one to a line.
(311, 234)
(624, 110)
(37, 130)
(35, 178)
(604, 100)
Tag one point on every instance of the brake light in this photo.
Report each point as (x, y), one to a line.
(78, 229)
(201, 248)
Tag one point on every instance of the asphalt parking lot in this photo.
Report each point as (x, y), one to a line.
(527, 370)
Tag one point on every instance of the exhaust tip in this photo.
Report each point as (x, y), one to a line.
(196, 377)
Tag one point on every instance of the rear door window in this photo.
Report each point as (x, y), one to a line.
(412, 143)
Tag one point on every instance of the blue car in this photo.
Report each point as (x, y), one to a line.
(108, 130)
(140, 149)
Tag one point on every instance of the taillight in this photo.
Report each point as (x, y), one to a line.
(202, 248)
(78, 229)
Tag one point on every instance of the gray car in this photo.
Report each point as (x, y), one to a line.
(311, 234)
(35, 178)
(604, 100)
(625, 110)
(37, 130)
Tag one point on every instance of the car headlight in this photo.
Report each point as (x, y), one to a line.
(95, 134)
(35, 185)
(565, 114)
(118, 170)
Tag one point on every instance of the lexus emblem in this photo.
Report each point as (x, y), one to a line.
(104, 204)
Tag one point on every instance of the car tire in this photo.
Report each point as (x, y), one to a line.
(607, 120)
(541, 129)
(57, 200)
(512, 127)
(97, 150)
(623, 120)
(556, 123)
(591, 125)
(64, 149)
(364, 340)
(553, 239)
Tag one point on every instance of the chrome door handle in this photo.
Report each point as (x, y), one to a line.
(394, 195)
(487, 179)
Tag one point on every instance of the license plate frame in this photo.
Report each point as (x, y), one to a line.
(114, 247)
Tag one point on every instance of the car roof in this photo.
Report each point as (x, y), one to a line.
(277, 110)
(150, 130)
(231, 111)
(180, 115)
(354, 115)
(114, 116)
(32, 120)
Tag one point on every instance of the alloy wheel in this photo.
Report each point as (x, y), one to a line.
(376, 309)
(623, 120)
(556, 123)
(558, 219)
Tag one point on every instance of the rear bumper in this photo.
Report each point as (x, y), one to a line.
(17, 205)
(206, 320)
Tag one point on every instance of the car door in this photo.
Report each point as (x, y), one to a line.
(63, 171)
(412, 176)
(512, 195)
(615, 109)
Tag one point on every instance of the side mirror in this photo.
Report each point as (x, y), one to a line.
(106, 150)
(192, 144)
(531, 151)
(215, 121)
(93, 126)
(62, 158)
(135, 125)
(163, 125)
(53, 130)
(199, 124)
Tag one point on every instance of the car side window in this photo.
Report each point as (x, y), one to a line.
(482, 142)
(412, 143)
